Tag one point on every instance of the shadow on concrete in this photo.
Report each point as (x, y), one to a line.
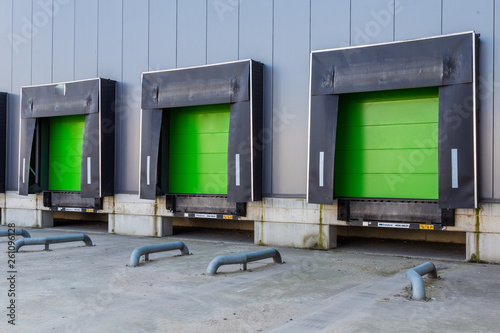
(404, 248)
(81, 226)
(217, 235)
(413, 249)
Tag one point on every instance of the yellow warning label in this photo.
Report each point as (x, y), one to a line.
(227, 217)
(90, 210)
(427, 226)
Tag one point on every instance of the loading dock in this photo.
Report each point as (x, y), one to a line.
(393, 131)
(67, 144)
(201, 133)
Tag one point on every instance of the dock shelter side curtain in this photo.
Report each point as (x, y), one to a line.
(3, 139)
(448, 62)
(237, 83)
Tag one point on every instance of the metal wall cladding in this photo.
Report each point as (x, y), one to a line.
(45, 41)
(162, 54)
(135, 57)
(191, 33)
(3, 139)
(42, 56)
(290, 96)
(417, 19)
(63, 43)
(86, 32)
(256, 42)
(222, 34)
(372, 21)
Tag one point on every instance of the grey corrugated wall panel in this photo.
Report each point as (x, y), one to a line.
(5, 67)
(256, 42)
(222, 31)
(6, 49)
(416, 19)
(135, 62)
(330, 24)
(109, 56)
(191, 33)
(291, 96)
(372, 21)
(21, 76)
(109, 45)
(63, 47)
(41, 60)
(162, 34)
(478, 16)
(496, 116)
(85, 39)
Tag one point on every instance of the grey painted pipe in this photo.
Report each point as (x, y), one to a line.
(147, 249)
(242, 259)
(22, 232)
(52, 240)
(415, 277)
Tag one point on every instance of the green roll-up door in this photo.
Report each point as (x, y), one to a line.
(387, 145)
(198, 149)
(65, 152)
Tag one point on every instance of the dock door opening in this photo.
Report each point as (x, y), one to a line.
(198, 149)
(65, 152)
(387, 144)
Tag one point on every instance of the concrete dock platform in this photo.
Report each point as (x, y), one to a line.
(77, 288)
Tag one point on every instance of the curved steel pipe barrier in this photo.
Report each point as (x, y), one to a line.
(147, 249)
(52, 240)
(242, 259)
(415, 277)
(21, 232)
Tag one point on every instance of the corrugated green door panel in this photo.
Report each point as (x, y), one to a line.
(65, 152)
(198, 149)
(387, 144)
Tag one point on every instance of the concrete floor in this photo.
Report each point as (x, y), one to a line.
(74, 288)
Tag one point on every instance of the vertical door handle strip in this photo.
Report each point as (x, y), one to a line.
(89, 180)
(454, 168)
(321, 168)
(237, 165)
(148, 171)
